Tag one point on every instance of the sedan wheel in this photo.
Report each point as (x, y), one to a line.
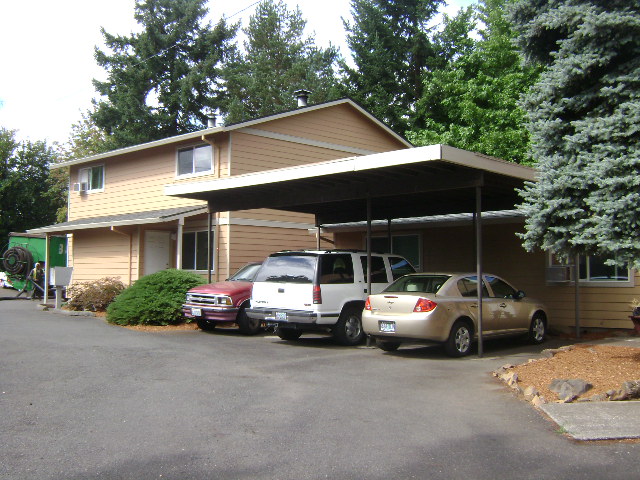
(387, 345)
(538, 329)
(459, 342)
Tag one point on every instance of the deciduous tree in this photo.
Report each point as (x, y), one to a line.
(472, 101)
(28, 195)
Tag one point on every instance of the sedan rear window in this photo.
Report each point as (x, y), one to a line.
(288, 269)
(418, 283)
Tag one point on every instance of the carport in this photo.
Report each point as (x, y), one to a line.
(424, 181)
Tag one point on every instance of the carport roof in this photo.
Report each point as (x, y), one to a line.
(432, 180)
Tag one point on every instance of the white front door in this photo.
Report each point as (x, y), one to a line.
(157, 251)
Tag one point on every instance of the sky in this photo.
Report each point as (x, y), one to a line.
(47, 47)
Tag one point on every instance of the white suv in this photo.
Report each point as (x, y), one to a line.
(312, 290)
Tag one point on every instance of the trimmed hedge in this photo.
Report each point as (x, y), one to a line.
(155, 299)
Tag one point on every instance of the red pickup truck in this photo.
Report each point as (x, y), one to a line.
(224, 302)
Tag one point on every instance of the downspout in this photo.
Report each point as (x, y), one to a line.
(179, 243)
(128, 235)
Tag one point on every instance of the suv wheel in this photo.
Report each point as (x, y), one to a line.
(247, 325)
(348, 330)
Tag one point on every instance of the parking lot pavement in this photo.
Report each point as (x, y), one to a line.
(80, 398)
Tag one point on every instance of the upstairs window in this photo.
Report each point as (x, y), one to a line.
(195, 160)
(92, 178)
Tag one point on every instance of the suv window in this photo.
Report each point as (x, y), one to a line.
(378, 270)
(400, 267)
(288, 268)
(336, 269)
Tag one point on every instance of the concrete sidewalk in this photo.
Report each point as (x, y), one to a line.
(596, 420)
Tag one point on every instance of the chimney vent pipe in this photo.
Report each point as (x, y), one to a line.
(303, 97)
(211, 120)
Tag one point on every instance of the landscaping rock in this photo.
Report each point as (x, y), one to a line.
(530, 393)
(569, 389)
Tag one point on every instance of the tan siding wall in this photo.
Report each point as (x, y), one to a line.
(100, 253)
(133, 183)
(274, 215)
(251, 153)
(251, 244)
(342, 125)
(452, 249)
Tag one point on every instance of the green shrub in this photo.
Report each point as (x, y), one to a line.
(94, 296)
(155, 299)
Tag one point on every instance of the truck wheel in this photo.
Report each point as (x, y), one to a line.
(247, 325)
(204, 325)
(348, 331)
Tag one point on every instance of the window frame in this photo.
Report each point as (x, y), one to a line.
(554, 262)
(417, 235)
(90, 177)
(193, 148)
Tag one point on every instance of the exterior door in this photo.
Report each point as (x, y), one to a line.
(157, 251)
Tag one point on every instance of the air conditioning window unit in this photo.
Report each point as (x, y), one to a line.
(80, 187)
(559, 273)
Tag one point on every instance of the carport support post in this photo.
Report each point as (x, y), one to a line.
(368, 244)
(47, 269)
(478, 222)
(576, 276)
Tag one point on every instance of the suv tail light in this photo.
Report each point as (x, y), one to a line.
(317, 295)
(424, 305)
(367, 304)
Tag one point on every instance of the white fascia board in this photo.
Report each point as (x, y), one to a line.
(237, 126)
(117, 223)
(354, 164)
(137, 148)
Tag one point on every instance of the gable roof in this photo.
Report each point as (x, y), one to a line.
(232, 127)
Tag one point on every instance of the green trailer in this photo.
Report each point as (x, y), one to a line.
(25, 250)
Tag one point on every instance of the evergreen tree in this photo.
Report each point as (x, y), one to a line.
(584, 117)
(277, 61)
(28, 195)
(391, 50)
(472, 102)
(162, 81)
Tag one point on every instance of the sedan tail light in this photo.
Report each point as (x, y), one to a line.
(367, 304)
(424, 305)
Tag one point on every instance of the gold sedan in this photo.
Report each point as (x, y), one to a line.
(443, 308)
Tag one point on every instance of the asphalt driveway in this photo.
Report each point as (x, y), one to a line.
(83, 399)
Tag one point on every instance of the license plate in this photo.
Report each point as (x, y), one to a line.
(387, 327)
(196, 312)
(281, 316)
